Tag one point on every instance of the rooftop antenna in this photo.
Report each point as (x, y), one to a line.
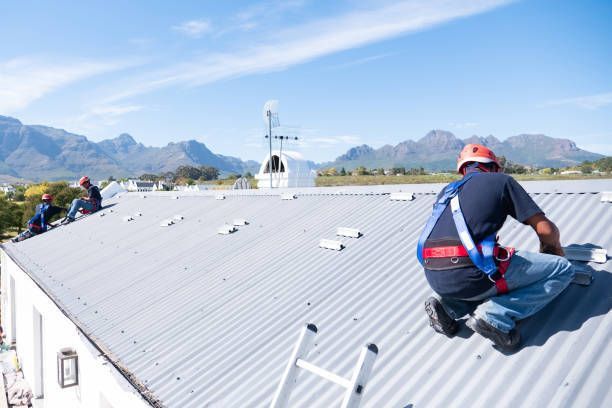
(280, 154)
(270, 112)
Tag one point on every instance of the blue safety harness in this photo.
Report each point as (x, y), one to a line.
(41, 209)
(484, 260)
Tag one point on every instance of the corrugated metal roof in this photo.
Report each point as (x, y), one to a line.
(207, 319)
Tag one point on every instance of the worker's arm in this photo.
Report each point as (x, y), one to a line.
(548, 233)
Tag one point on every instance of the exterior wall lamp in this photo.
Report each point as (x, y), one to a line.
(67, 368)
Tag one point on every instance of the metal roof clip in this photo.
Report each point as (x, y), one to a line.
(606, 196)
(331, 244)
(226, 229)
(586, 254)
(348, 232)
(402, 196)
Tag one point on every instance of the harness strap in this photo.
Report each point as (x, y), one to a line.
(500, 283)
(450, 191)
(483, 261)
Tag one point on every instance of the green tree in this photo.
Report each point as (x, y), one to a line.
(342, 172)
(188, 172)
(10, 215)
(209, 173)
(361, 171)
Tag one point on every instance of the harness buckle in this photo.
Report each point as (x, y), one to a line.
(506, 258)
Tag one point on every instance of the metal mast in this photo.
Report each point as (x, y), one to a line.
(269, 113)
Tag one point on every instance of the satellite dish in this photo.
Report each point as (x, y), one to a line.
(272, 107)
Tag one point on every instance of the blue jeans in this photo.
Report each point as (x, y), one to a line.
(534, 280)
(76, 204)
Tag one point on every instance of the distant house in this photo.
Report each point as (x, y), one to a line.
(571, 172)
(139, 185)
(7, 188)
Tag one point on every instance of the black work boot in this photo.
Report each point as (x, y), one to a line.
(504, 341)
(439, 319)
(66, 220)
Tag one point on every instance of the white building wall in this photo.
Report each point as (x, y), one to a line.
(100, 384)
(296, 171)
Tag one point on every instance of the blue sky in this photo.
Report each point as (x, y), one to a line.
(346, 72)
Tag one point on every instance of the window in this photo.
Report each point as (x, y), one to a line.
(275, 162)
(38, 387)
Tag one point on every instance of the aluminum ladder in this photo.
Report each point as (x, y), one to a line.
(354, 387)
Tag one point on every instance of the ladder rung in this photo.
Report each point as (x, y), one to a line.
(323, 373)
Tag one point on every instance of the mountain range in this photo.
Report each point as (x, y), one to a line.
(41, 152)
(438, 150)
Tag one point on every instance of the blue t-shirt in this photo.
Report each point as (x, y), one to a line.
(486, 200)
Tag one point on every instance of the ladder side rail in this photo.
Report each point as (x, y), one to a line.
(301, 349)
(362, 371)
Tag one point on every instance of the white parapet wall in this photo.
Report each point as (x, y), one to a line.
(25, 310)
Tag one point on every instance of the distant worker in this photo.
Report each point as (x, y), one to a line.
(86, 205)
(467, 267)
(40, 222)
(3, 345)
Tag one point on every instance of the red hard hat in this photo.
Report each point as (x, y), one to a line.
(83, 180)
(47, 197)
(476, 153)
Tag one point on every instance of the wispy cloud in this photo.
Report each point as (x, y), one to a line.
(464, 125)
(309, 41)
(96, 118)
(24, 80)
(334, 140)
(193, 28)
(591, 102)
(361, 61)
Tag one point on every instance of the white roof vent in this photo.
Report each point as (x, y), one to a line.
(402, 196)
(166, 223)
(143, 196)
(238, 222)
(137, 214)
(178, 217)
(128, 218)
(348, 232)
(226, 229)
(606, 197)
(220, 197)
(102, 214)
(331, 244)
(174, 197)
(288, 196)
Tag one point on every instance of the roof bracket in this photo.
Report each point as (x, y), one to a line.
(288, 196)
(331, 244)
(606, 196)
(226, 229)
(586, 254)
(348, 232)
(402, 196)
